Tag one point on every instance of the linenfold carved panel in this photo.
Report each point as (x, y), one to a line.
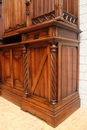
(17, 58)
(14, 14)
(43, 11)
(6, 68)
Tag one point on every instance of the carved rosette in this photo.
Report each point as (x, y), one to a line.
(54, 73)
(26, 73)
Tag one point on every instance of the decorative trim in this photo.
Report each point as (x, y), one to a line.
(17, 26)
(69, 17)
(43, 18)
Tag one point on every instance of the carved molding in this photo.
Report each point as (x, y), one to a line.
(17, 26)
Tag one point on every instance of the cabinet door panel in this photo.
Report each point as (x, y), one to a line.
(38, 65)
(6, 67)
(17, 62)
(14, 14)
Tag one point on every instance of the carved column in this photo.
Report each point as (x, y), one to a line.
(26, 72)
(54, 73)
(58, 8)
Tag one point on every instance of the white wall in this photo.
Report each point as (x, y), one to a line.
(83, 53)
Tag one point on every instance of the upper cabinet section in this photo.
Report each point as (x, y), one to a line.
(14, 14)
(26, 13)
(45, 10)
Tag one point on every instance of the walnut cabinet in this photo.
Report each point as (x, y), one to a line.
(39, 57)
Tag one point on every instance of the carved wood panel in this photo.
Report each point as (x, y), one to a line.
(14, 14)
(43, 11)
(38, 71)
(69, 70)
(42, 6)
(17, 63)
(71, 6)
(6, 67)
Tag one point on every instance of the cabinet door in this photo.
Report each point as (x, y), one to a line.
(17, 63)
(6, 67)
(14, 14)
(38, 72)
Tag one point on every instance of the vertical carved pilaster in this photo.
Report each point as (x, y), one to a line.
(54, 73)
(26, 73)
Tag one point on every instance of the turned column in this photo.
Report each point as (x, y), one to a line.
(54, 73)
(26, 72)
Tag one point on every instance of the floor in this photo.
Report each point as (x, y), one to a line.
(12, 118)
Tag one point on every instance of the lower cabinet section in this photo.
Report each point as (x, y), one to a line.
(42, 78)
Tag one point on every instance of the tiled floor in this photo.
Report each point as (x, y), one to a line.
(12, 118)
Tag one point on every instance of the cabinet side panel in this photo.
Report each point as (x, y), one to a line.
(69, 66)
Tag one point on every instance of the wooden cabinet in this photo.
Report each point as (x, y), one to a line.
(39, 57)
(12, 71)
(52, 60)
